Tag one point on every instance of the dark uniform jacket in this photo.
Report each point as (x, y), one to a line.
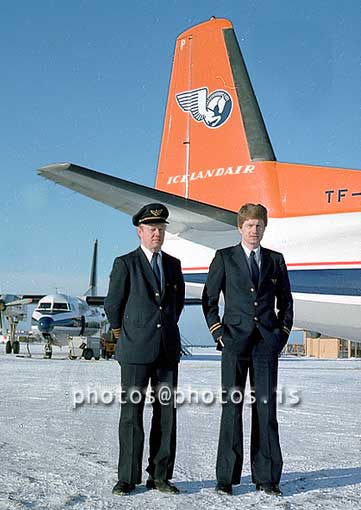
(270, 308)
(147, 316)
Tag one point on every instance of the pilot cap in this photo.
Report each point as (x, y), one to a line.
(151, 213)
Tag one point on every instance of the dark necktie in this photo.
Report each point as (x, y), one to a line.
(155, 268)
(254, 269)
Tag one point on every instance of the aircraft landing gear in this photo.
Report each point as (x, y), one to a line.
(12, 345)
(48, 350)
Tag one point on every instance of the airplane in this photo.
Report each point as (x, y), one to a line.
(58, 316)
(13, 310)
(216, 155)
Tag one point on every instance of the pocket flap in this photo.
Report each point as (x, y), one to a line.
(232, 319)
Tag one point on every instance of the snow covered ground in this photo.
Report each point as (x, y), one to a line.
(54, 457)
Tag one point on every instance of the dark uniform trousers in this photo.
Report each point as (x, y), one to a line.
(266, 457)
(162, 440)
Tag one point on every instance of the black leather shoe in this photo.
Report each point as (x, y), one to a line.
(150, 483)
(272, 489)
(166, 486)
(123, 488)
(224, 488)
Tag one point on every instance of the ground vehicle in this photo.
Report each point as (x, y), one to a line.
(82, 346)
(107, 344)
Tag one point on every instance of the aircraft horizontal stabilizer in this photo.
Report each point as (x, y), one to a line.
(99, 301)
(33, 298)
(194, 220)
(95, 300)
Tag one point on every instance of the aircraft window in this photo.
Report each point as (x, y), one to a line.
(60, 306)
(44, 305)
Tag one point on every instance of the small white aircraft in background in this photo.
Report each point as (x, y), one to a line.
(216, 155)
(58, 316)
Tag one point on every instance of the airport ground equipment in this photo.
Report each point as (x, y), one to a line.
(108, 344)
(86, 347)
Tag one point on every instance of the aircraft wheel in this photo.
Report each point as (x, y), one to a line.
(72, 357)
(16, 347)
(8, 347)
(88, 354)
(97, 358)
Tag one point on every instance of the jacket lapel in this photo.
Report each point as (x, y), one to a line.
(240, 257)
(266, 263)
(146, 269)
(166, 276)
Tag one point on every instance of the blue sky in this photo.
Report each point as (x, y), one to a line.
(86, 82)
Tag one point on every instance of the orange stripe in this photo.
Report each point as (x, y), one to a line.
(195, 268)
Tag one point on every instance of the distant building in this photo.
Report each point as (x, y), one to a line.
(334, 348)
(301, 343)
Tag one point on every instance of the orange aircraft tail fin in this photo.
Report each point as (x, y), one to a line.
(213, 131)
(215, 148)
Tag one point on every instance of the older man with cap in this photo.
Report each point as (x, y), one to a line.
(143, 305)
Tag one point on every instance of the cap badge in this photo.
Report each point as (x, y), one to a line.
(156, 212)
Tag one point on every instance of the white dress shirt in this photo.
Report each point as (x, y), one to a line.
(149, 255)
(257, 255)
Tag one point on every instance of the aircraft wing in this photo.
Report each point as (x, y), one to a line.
(195, 221)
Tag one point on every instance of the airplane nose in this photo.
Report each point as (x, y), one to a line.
(46, 324)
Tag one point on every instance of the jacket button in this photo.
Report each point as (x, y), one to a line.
(256, 303)
(256, 319)
(159, 325)
(157, 294)
(251, 289)
(160, 308)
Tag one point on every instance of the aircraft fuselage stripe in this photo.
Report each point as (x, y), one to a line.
(342, 282)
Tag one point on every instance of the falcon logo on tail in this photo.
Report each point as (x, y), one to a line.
(213, 109)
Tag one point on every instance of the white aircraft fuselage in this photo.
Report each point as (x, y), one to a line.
(58, 316)
(325, 276)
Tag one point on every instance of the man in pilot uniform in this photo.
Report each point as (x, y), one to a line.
(251, 335)
(143, 305)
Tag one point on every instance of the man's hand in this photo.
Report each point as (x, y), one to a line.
(220, 343)
(116, 333)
